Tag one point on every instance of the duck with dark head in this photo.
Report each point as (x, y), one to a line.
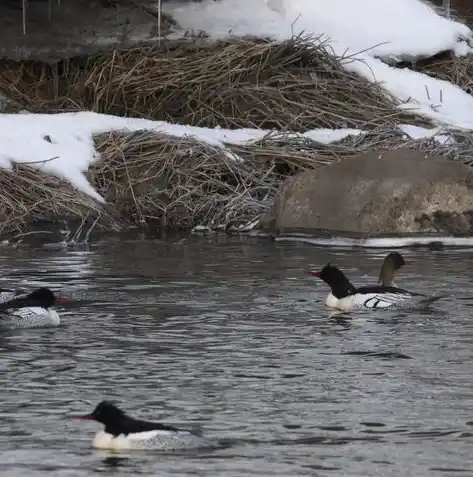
(31, 310)
(344, 296)
(122, 431)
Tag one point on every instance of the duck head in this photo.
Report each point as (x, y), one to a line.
(42, 297)
(336, 280)
(392, 262)
(105, 412)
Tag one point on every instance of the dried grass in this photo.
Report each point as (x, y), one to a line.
(179, 183)
(296, 85)
(454, 69)
(155, 180)
(27, 195)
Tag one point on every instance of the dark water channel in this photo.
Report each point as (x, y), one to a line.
(230, 337)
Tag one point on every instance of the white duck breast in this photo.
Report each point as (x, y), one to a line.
(157, 439)
(368, 299)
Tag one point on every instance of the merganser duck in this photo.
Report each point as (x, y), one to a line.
(125, 433)
(30, 311)
(344, 296)
(392, 262)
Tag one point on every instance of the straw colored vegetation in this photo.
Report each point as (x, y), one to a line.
(455, 69)
(151, 179)
(295, 84)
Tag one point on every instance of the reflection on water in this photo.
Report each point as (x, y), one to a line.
(229, 337)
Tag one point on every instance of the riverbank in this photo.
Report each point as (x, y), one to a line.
(154, 181)
(300, 104)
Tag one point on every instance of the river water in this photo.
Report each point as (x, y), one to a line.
(229, 337)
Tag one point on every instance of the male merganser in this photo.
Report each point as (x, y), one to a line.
(346, 297)
(125, 433)
(30, 311)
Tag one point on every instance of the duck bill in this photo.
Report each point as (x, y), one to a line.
(61, 299)
(85, 417)
(313, 273)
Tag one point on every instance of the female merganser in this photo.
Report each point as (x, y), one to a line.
(346, 297)
(30, 311)
(125, 433)
(392, 262)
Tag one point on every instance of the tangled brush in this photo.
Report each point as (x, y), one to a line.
(150, 179)
(297, 84)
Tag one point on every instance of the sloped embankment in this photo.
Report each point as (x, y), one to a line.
(295, 85)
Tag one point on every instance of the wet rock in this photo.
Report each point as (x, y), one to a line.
(60, 30)
(380, 192)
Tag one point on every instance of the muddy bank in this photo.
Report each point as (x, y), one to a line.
(59, 30)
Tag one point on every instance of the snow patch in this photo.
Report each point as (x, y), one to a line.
(387, 27)
(417, 132)
(360, 31)
(433, 98)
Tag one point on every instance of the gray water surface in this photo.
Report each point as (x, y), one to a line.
(230, 338)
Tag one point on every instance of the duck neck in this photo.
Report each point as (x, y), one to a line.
(342, 288)
(386, 275)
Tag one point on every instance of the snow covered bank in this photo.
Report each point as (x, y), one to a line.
(363, 30)
(149, 172)
(63, 144)
(145, 172)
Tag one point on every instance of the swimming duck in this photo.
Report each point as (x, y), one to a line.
(124, 432)
(31, 310)
(345, 296)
